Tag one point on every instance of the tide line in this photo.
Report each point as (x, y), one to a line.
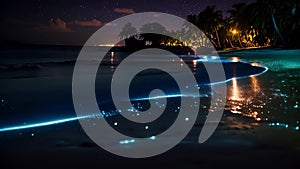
(42, 124)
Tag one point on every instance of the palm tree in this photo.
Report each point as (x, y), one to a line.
(209, 21)
(272, 18)
(127, 31)
(225, 34)
(128, 34)
(191, 35)
(238, 21)
(154, 39)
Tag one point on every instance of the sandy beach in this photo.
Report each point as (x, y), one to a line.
(258, 128)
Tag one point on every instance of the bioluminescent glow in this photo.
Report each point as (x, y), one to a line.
(133, 140)
(103, 114)
(165, 96)
(240, 77)
(195, 95)
(152, 137)
(108, 114)
(283, 125)
(42, 124)
(127, 141)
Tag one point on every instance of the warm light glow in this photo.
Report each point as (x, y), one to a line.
(195, 63)
(235, 91)
(235, 59)
(106, 45)
(194, 66)
(112, 55)
(234, 31)
(255, 64)
(255, 85)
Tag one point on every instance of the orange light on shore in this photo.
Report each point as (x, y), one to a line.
(234, 31)
(235, 59)
(255, 64)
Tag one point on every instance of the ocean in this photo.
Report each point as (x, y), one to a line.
(36, 84)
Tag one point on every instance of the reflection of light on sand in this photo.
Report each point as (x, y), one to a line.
(246, 103)
(255, 85)
(235, 98)
(235, 93)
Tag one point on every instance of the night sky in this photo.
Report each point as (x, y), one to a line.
(72, 22)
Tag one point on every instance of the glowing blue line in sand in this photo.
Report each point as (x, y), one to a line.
(103, 114)
(240, 77)
(164, 96)
(215, 83)
(43, 124)
(106, 115)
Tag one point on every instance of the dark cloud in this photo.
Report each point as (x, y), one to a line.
(55, 25)
(124, 10)
(93, 22)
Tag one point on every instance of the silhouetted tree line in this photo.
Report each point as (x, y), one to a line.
(274, 23)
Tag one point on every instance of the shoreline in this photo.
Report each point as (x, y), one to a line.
(236, 142)
(239, 141)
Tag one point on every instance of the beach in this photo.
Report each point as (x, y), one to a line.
(259, 127)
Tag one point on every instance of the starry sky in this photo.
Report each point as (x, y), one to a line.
(72, 22)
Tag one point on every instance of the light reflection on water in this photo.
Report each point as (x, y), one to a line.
(235, 93)
(242, 99)
(272, 97)
(255, 84)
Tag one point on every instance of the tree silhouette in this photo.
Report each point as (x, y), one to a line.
(153, 39)
(128, 33)
(209, 21)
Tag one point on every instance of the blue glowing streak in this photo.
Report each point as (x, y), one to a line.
(214, 83)
(43, 124)
(117, 111)
(103, 114)
(283, 125)
(127, 141)
(164, 96)
(152, 137)
(240, 77)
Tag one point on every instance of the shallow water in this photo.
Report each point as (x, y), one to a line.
(43, 94)
(272, 97)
